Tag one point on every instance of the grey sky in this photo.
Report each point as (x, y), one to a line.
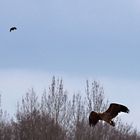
(77, 39)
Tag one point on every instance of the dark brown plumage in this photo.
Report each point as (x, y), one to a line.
(13, 28)
(108, 115)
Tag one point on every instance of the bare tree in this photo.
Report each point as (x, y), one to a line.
(35, 124)
(55, 117)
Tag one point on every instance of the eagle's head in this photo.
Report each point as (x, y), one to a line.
(93, 118)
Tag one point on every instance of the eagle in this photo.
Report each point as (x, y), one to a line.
(13, 28)
(107, 116)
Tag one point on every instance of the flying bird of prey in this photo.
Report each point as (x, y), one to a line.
(108, 115)
(13, 28)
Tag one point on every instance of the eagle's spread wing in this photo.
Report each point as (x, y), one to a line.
(93, 118)
(114, 109)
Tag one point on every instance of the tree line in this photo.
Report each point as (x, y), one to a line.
(56, 116)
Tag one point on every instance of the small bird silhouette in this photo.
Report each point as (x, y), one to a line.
(13, 28)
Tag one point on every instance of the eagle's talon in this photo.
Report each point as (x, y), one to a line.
(112, 123)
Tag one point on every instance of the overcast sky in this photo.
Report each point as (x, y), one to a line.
(73, 39)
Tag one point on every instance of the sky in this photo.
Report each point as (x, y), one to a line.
(73, 39)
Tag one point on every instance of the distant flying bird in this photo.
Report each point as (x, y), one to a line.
(108, 115)
(13, 28)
